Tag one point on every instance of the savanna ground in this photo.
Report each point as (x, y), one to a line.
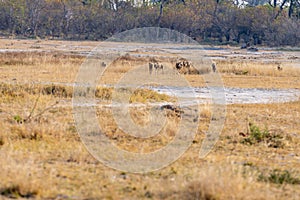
(42, 156)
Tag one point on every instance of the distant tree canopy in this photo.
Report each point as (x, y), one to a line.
(268, 22)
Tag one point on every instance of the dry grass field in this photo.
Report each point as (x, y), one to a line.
(42, 156)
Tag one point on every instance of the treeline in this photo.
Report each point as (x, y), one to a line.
(219, 21)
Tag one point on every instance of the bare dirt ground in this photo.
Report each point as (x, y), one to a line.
(42, 156)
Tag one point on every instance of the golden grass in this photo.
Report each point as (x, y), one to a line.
(45, 158)
(37, 67)
(58, 158)
(255, 74)
(255, 68)
(132, 144)
(11, 91)
(27, 67)
(260, 81)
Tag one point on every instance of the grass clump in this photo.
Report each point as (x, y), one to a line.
(145, 95)
(196, 190)
(193, 190)
(256, 135)
(56, 90)
(11, 90)
(22, 132)
(138, 96)
(241, 72)
(18, 119)
(279, 177)
(104, 93)
(16, 191)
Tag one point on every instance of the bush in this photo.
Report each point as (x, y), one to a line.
(257, 135)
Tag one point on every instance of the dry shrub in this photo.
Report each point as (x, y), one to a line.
(7, 90)
(17, 191)
(104, 93)
(57, 91)
(205, 111)
(197, 190)
(145, 95)
(24, 132)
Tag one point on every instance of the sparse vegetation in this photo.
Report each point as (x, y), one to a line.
(279, 177)
(18, 119)
(256, 135)
(24, 132)
(255, 68)
(45, 150)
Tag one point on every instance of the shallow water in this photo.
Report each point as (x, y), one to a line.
(236, 95)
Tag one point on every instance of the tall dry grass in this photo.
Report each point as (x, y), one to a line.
(256, 68)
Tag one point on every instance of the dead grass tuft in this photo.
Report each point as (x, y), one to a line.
(57, 91)
(198, 190)
(146, 95)
(17, 191)
(23, 132)
(104, 93)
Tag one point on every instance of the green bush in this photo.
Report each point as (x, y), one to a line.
(257, 135)
(18, 119)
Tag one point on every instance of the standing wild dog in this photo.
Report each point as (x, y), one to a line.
(279, 68)
(179, 65)
(185, 65)
(156, 66)
(151, 66)
(214, 67)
